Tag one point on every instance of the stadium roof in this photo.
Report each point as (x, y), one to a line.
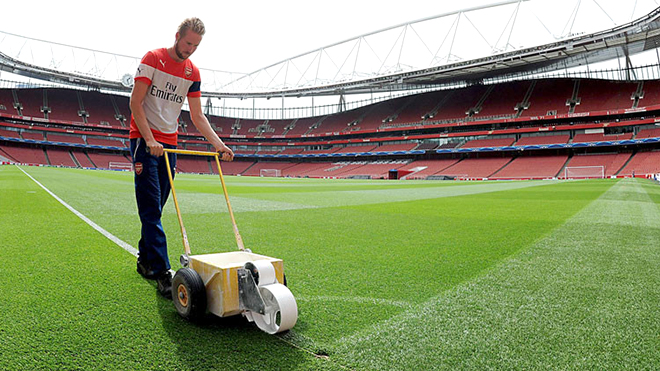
(498, 39)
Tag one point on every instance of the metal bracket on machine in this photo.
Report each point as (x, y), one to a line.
(249, 296)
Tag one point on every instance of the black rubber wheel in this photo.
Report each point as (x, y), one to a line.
(189, 294)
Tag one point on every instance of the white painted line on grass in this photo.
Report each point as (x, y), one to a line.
(100, 229)
(358, 299)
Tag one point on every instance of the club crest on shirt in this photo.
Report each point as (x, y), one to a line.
(187, 71)
(138, 168)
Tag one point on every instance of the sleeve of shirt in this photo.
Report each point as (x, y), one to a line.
(146, 69)
(195, 90)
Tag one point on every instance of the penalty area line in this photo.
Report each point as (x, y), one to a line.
(132, 250)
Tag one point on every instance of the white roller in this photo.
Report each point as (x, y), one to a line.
(281, 311)
(266, 272)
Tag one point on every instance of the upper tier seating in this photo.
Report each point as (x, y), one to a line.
(502, 100)
(651, 94)
(32, 100)
(549, 97)
(101, 109)
(7, 102)
(597, 95)
(63, 104)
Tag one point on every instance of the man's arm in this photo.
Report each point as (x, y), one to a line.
(202, 124)
(137, 97)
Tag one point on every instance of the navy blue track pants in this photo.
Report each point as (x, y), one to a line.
(152, 188)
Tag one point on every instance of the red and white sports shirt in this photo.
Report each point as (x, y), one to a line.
(170, 82)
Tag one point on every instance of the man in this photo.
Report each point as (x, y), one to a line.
(163, 80)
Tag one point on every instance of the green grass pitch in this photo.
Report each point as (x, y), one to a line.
(387, 274)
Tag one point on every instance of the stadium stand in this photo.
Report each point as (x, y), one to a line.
(33, 135)
(458, 105)
(110, 142)
(597, 95)
(101, 109)
(82, 159)
(642, 163)
(32, 101)
(598, 137)
(60, 157)
(64, 104)
(9, 133)
(549, 97)
(543, 139)
(532, 167)
(492, 142)
(268, 152)
(235, 167)
(357, 149)
(372, 170)
(64, 138)
(612, 162)
(650, 93)
(648, 133)
(188, 164)
(501, 100)
(395, 147)
(103, 160)
(186, 125)
(413, 122)
(321, 151)
(427, 146)
(476, 168)
(26, 155)
(420, 169)
(255, 170)
(292, 151)
(7, 102)
(306, 169)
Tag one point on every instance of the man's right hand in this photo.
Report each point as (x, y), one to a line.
(155, 148)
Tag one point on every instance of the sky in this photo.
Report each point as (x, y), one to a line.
(241, 36)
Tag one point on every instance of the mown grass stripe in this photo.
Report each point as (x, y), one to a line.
(133, 251)
(585, 296)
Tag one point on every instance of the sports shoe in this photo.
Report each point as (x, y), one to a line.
(164, 281)
(144, 271)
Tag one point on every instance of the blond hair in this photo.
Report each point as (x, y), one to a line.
(194, 24)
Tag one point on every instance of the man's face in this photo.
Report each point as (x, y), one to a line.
(187, 44)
